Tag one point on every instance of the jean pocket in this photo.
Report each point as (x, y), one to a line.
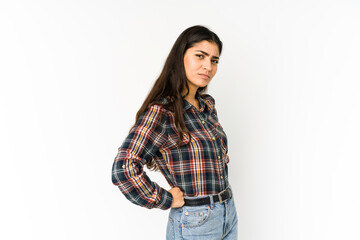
(195, 216)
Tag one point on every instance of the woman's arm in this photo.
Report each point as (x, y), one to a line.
(142, 143)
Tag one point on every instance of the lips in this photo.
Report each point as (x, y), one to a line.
(204, 76)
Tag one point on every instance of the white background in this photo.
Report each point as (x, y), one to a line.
(74, 73)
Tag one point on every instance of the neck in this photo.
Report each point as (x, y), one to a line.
(191, 95)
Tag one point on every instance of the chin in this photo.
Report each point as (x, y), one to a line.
(203, 83)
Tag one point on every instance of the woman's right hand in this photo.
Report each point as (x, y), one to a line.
(178, 197)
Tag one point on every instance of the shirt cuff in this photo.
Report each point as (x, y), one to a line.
(165, 201)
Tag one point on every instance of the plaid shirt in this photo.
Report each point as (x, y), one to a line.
(198, 169)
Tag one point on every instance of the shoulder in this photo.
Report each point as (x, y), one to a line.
(208, 99)
(154, 111)
(158, 112)
(151, 118)
(163, 105)
(152, 114)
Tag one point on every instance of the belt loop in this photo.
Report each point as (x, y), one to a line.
(211, 202)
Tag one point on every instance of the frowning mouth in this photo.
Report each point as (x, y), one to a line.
(204, 76)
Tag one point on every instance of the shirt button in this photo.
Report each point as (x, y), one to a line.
(221, 177)
(219, 157)
(123, 166)
(213, 138)
(203, 122)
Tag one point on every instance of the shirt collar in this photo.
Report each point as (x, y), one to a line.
(204, 102)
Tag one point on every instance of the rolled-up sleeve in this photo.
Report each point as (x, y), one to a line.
(140, 146)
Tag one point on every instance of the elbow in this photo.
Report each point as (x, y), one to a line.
(118, 174)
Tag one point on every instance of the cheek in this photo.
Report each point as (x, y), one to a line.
(186, 64)
(214, 70)
(192, 63)
(190, 66)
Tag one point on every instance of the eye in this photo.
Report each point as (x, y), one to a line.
(199, 55)
(215, 61)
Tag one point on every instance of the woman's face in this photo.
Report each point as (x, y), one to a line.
(200, 62)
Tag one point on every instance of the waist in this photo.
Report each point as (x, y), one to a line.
(208, 199)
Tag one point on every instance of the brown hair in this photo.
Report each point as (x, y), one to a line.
(172, 80)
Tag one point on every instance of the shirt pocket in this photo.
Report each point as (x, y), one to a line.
(176, 157)
(220, 134)
(172, 140)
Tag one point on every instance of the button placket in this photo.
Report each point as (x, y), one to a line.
(219, 161)
(218, 151)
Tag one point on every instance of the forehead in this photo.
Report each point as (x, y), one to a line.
(206, 46)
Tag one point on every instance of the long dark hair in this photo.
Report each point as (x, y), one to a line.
(172, 80)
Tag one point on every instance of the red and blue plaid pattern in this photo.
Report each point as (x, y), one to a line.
(198, 169)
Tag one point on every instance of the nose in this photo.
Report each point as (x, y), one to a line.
(207, 65)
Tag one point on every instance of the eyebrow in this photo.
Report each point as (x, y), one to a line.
(207, 54)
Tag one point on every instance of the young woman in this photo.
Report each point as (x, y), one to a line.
(178, 133)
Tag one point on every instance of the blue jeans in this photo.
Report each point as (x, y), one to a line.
(211, 222)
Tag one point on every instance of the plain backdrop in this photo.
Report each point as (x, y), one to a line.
(74, 73)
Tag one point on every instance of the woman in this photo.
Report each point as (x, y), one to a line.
(178, 133)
